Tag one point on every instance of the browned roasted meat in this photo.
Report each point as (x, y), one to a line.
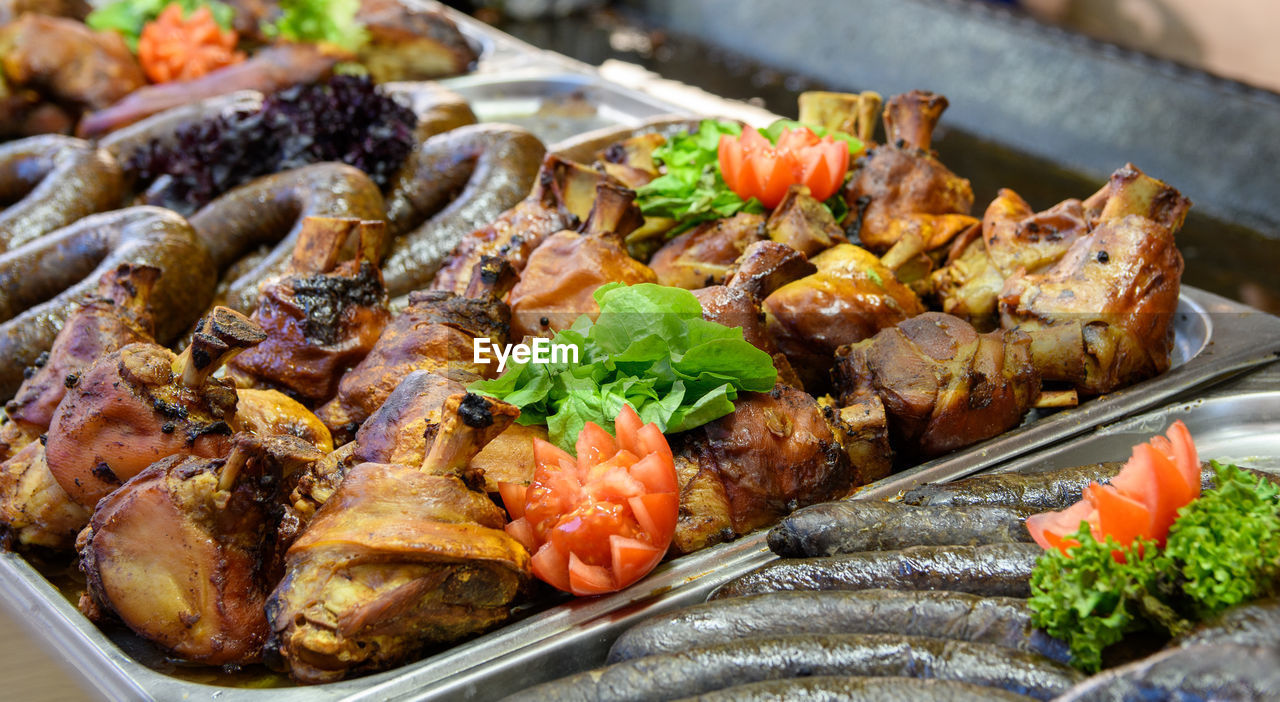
(558, 284)
(12, 9)
(851, 113)
(776, 452)
(273, 413)
(1101, 314)
(563, 194)
(851, 297)
(900, 189)
(60, 62)
(942, 385)
(34, 509)
(322, 317)
(436, 332)
(142, 403)
(398, 558)
(115, 317)
(412, 41)
(179, 552)
(764, 267)
(802, 223)
(703, 255)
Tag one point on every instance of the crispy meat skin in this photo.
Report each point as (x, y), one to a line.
(322, 316)
(436, 332)
(901, 186)
(34, 509)
(118, 315)
(273, 413)
(802, 223)
(851, 297)
(704, 255)
(558, 284)
(412, 43)
(942, 384)
(180, 552)
(775, 453)
(398, 558)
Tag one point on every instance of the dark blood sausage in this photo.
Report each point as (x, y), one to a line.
(1002, 570)
(718, 666)
(1220, 671)
(53, 181)
(1002, 621)
(460, 180)
(1253, 624)
(1036, 492)
(830, 688)
(269, 212)
(438, 109)
(40, 282)
(850, 526)
(584, 147)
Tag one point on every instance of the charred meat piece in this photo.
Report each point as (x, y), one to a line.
(398, 558)
(322, 316)
(558, 284)
(118, 315)
(1002, 621)
(802, 223)
(1107, 305)
(412, 42)
(273, 413)
(142, 403)
(901, 189)
(943, 385)
(178, 552)
(763, 267)
(851, 526)
(704, 255)
(436, 332)
(561, 197)
(34, 509)
(992, 570)
(850, 298)
(776, 452)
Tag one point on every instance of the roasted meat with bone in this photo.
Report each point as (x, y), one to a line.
(851, 297)
(399, 558)
(116, 316)
(559, 282)
(142, 403)
(562, 196)
(323, 316)
(1102, 314)
(273, 413)
(34, 509)
(436, 332)
(703, 255)
(1014, 238)
(901, 190)
(181, 552)
(803, 223)
(939, 384)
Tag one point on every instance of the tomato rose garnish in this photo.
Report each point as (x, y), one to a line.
(1142, 502)
(599, 522)
(753, 167)
(174, 47)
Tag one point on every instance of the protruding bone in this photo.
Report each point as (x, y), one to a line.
(221, 335)
(911, 117)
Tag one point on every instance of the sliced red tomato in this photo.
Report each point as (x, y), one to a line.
(599, 522)
(752, 167)
(1141, 502)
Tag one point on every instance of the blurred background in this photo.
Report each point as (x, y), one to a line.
(1047, 96)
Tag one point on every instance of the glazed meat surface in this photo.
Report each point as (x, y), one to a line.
(703, 256)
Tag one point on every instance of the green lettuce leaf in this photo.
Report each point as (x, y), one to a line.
(127, 17)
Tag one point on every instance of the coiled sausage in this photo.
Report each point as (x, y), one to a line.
(39, 282)
(53, 181)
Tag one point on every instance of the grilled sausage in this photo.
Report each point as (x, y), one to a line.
(53, 181)
(583, 148)
(270, 210)
(1002, 570)
(830, 688)
(491, 167)
(1036, 492)
(850, 526)
(40, 282)
(1253, 624)
(995, 620)
(718, 666)
(126, 142)
(1219, 671)
(438, 109)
